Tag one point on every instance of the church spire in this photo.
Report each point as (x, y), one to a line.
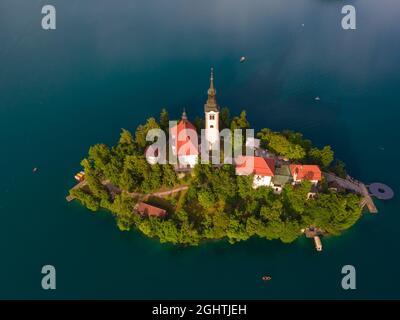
(184, 115)
(211, 104)
(212, 79)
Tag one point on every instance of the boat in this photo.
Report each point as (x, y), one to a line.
(34, 170)
(317, 98)
(266, 278)
(243, 59)
(80, 176)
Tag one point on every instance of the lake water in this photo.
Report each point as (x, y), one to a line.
(111, 64)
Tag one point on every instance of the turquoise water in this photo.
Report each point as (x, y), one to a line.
(112, 64)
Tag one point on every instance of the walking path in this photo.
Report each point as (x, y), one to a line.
(356, 186)
(160, 193)
(115, 190)
(348, 184)
(169, 192)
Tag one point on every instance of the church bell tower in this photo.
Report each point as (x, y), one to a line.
(211, 111)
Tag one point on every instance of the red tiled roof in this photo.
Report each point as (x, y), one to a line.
(261, 166)
(184, 144)
(306, 172)
(149, 210)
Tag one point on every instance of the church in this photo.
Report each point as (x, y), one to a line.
(185, 144)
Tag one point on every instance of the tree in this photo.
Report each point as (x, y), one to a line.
(126, 137)
(100, 155)
(225, 118)
(295, 198)
(263, 135)
(245, 186)
(272, 211)
(220, 224)
(280, 145)
(113, 170)
(122, 206)
(126, 145)
(206, 198)
(169, 177)
(223, 182)
(142, 130)
(323, 157)
(152, 179)
(188, 234)
(136, 170)
(333, 212)
(274, 229)
(240, 122)
(181, 215)
(290, 231)
(164, 120)
(88, 200)
(93, 181)
(255, 226)
(165, 230)
(199, 124)
(236, 229)
(339, 168)
(327, 156)
(297, 138)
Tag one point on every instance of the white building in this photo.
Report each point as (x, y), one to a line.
(184, 142)
(262, 168)
(302, 172)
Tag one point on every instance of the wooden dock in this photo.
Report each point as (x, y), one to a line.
(315, 234)
(318, 243)
(367, 200)
(78, 186)
(312, 232)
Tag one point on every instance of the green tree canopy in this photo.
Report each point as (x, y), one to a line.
(164, 120)
(240, 122)
(323, 157)
(225, 118)
(218, 204)
(280, 144)
(142, 130)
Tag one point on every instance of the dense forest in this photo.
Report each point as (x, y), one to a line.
(217, 204)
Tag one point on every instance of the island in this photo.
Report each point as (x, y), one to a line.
(291, 188)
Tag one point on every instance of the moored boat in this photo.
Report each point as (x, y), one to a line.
(80, 176)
